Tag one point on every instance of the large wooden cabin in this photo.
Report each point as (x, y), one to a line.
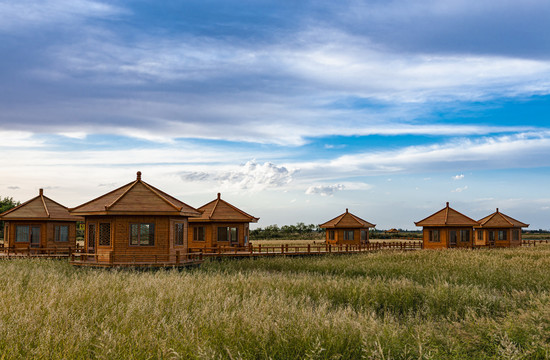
(220, 225)
(40, 225)
(447, 228)
(498, 230)
(135, 224)
(347, 229)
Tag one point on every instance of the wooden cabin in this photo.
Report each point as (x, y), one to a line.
(135, 224)
(447, 228)
(498, 230)
(40, 225)
(347, 229)
(220, 225)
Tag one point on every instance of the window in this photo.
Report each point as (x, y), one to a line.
(178, 234)
(465, 235)
(22, 233)
(142, 234)
(331, 234)
(104, 234)
(492, 236)
(452, 237)
(502, 235)
(91, 236)
(364, 236)
(434, 236)
(515, 235)
(480, 235)
(348, 234)
(61, 233)
(227, 234)
(198, 233)
(25, 233)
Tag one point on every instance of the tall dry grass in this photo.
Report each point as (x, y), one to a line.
(387, 305)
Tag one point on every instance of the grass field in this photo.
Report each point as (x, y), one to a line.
(482, 304)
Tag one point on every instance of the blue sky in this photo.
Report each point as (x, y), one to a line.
(293, 110)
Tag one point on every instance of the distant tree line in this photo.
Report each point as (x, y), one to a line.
(300, 231)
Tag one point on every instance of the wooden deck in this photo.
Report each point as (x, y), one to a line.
(198, 255)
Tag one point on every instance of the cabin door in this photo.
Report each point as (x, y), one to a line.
(452, 238)
(91, 239)
(35, 236)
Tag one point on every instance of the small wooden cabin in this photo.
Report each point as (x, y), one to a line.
(135, 224)
(220, 225)
(498, 230)
(347, 229)
(40, 224)
(447, 228)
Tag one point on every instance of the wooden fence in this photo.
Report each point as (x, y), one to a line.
(307, 249)
(53, 252)
(533, 242)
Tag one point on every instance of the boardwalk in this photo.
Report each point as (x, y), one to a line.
(198, 255)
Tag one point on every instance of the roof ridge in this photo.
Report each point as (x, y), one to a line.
(121, 195)
(99, 197)
(160, 195)
(216, 202)
(236, 208)
(41, 195)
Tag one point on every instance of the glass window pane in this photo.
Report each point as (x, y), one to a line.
(21, 233)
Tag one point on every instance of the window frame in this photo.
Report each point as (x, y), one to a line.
(228, 231)
(347, 235)
(57, 233)
(434, 236)
(502, 235)
(151, 240)
(462, 232)
(178, 232)
(331, 234)
(101, 228)
(197, 236)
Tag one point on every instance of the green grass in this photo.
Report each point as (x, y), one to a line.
(457, 304)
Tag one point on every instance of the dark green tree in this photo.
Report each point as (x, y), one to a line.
(6, 204)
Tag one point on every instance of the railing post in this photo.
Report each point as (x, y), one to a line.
(308, 248)
(282, 249)
(329, 248)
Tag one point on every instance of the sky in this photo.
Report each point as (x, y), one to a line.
(293, 110)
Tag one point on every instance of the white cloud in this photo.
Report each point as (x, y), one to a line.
(250, 176)
(458, 177)
(460, 189)
(324, 190)
(29, 13)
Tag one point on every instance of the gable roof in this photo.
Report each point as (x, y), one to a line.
(447, 217)
(40, 208)
(221, 210)
(137, 197)
(500, 220)
(347, 220)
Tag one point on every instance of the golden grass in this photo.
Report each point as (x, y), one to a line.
(479, 304)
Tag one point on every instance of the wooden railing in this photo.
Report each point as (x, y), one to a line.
(290, 249)
(533, 242)
(136, 259)
(39, 251)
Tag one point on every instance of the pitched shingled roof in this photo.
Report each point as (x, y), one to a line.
(137, 197)
(500, 220)
(40, 208)
(447, 217)
(347, 220)
(220, 210)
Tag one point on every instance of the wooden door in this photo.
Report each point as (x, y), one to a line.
(91, 238)
(35, 236)
(452, 238)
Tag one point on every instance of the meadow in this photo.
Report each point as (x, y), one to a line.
(454, 304)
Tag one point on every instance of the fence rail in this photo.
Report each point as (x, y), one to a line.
(52, 252)
(533, 242)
